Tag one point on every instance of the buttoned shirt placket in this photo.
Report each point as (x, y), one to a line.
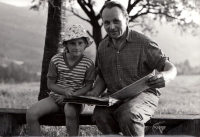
(118, 65)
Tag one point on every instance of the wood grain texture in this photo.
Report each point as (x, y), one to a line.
(12, 119)
(9, 126)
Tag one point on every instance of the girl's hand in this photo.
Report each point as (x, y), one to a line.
(69, 92)
(60, 99)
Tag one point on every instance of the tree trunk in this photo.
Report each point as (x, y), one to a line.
(97, 36)
(54, 28)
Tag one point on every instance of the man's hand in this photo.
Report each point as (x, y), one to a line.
(158, 81)
(93, 94)
(99, 87)
(163, 78)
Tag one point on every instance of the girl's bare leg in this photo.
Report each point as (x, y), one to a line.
(41, 108)
(72, 112)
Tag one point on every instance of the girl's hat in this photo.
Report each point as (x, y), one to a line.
(76, 31)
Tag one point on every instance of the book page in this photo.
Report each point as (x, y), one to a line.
(92, 98)
(133, 89)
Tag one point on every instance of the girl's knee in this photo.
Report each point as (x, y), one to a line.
(71, 111)
(32, 114)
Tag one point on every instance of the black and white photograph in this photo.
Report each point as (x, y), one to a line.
(93, 68)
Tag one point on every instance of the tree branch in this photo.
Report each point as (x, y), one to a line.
(89, 34)
(73, 11)
(83, 4)
(131, 6)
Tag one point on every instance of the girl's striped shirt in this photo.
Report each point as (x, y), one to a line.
(75, 76)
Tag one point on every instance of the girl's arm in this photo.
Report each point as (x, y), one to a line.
(84, 90)
(57, 89)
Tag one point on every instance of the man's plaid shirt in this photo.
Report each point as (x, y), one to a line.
(137, 57)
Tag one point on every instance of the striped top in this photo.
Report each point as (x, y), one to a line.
(136, 58)
(83, 71)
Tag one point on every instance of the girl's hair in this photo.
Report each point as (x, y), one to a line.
(84, 38)
(111, 4)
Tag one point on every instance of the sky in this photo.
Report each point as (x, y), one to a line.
(18, 3)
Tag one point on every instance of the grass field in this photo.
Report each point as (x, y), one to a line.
(181, 96)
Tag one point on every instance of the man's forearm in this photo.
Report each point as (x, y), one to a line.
(170, 71)
(99, 85)
(83, 90)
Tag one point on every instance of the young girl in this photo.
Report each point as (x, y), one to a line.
(70, 73)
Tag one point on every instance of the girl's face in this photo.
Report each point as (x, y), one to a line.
(76, 46)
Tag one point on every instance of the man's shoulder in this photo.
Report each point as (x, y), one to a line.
(104, 42)
(137, 35)
(146, 40)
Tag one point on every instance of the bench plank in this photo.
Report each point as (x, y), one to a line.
(8, 125)
(85, 118)
(179, 124)
(51, 120)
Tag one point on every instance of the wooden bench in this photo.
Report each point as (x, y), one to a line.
(12, 119)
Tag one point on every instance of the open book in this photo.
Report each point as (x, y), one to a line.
(121, 95)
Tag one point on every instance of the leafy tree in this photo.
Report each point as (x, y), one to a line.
(184, 68)
(162, 10)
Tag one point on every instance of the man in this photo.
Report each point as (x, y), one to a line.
(124, 57)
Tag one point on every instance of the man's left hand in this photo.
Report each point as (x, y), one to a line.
(158, 81)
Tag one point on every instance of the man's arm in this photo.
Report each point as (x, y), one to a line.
(84, 90)
(99, 87)
(161, 79)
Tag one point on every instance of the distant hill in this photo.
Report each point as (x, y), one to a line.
(22, 37)
(22, 34)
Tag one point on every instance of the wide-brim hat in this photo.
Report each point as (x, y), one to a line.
(76, 31)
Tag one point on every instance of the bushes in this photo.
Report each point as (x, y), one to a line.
(13, 73)
(185, 68)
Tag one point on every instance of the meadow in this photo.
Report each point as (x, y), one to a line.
(181, 96)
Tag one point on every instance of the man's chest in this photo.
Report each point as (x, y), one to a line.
(126, 55)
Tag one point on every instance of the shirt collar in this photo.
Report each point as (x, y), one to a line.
(128, 37)
(108, 40)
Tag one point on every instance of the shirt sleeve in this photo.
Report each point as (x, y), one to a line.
(155, 57)
(90, 74)
(52, 71)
